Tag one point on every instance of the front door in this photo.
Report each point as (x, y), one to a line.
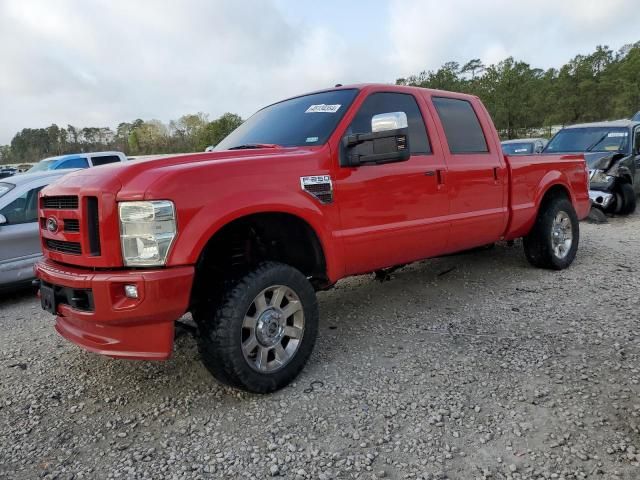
(395, 213)
(19, 237)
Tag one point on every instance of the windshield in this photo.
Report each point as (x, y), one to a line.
(590, 139)
(41, 166)
(307, 120)
(517, 148)
(5, 187)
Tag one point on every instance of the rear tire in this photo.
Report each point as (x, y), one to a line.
(263, 331)
(627, 196)
(553, 241)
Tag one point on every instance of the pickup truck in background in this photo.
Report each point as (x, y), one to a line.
(307, 191)
(78, 160)
(612, 152)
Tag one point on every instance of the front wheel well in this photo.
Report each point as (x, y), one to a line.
(244, 243)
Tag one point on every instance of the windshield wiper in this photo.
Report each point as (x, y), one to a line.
(593, 145)
(248, 146)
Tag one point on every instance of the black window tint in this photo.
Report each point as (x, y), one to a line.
(461, 125)
(308, 120)
(23, 209)
(383, 102)
(104, 159)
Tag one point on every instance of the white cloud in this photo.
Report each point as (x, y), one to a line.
(101, 62)
(545, 33)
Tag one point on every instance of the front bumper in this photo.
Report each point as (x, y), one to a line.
(112, 324)
(600, 198)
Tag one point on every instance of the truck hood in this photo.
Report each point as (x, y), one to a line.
(602, 160)
(135, 176)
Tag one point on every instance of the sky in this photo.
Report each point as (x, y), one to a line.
(102, 62)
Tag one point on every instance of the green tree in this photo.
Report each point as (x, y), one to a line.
(215, 131)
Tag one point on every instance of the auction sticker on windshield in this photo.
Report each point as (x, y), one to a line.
(322, 108)
(617, 134)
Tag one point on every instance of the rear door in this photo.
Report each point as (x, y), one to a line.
(476, 176)
(393, 213)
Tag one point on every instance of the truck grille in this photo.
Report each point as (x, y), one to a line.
(72, 248)
(93, 226)
(65, 202)
(71, 225)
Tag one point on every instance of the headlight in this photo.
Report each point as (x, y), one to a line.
(598, 176)
(147, 230)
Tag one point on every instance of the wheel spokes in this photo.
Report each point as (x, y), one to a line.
(291, 308)
(261, 358)
(278, 296)
(260, 303)
(249, 345)
(272, 328)
(282, 356)
(293, 332)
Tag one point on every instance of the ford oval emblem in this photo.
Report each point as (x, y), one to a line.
(52, 224)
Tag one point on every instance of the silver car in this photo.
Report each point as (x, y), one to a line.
(19, 231)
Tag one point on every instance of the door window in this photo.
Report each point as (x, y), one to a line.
(23, 209)
(78, 162)
(461, 125)
(104, 159)
(636, 142)
(384, 102)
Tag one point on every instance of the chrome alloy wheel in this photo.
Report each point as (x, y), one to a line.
(272, 329)
(561, 234)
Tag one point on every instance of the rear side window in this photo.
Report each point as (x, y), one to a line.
(384, 102)
(104, 159)
(461, 125)
(73, 163)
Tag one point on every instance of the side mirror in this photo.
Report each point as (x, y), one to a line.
(538, 149)
(384, 122)
(3, 219)
(388, 142)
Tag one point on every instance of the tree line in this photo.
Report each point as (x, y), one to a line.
(189, 133)
(524, 100)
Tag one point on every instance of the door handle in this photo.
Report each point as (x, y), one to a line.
(495, 174)
(439, 174)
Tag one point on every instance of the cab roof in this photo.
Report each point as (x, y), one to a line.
(624, 123)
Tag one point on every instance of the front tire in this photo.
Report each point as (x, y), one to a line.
(263, 331)
(627, 198)
(553, 240)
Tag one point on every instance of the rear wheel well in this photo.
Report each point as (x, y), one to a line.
(556, 191)
(244, 243)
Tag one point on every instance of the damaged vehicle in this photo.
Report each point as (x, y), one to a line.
(612, 152)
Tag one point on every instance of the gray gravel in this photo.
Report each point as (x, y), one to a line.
(465, 367)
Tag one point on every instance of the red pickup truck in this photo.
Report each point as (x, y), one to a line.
(307, 191)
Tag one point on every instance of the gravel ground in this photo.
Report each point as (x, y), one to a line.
(470, 366)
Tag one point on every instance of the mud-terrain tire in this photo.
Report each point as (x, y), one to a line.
(553, 241)
(627, 197)
(263, 331)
